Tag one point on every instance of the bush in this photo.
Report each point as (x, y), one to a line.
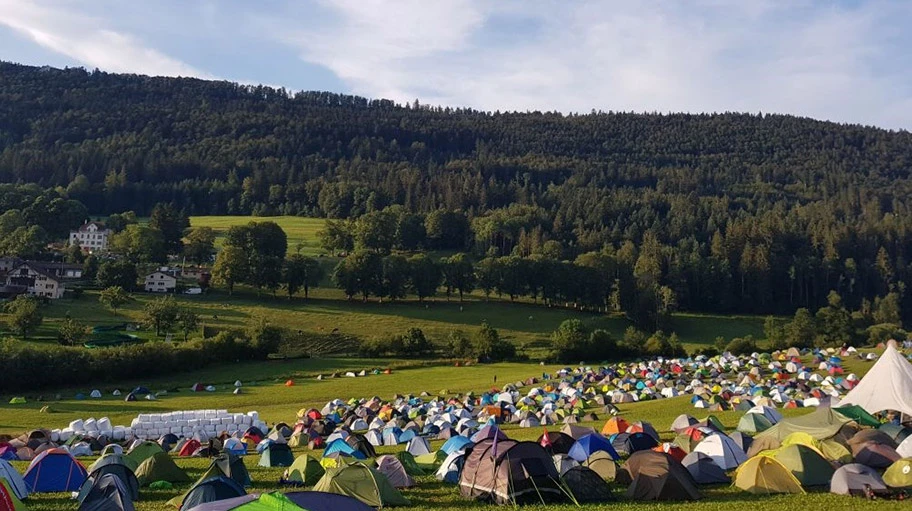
(409, 345)
(489, 347)
(742, 346)
(883, 332)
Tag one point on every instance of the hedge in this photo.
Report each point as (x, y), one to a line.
(27, 368)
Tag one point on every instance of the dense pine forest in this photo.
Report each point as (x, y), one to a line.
(730, 212)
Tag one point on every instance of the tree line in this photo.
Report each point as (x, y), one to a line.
(746, 213)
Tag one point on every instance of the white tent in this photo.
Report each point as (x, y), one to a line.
(887, 386)
(418, 446)
(723, 451)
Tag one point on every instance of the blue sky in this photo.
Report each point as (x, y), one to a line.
(847, 61)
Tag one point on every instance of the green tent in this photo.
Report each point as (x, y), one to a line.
(753, 423)
(305, 470)
(9, 499)
(17, 401)
(275, 501)
(141, 452)
(230, 466)
(160, 467)
(859, 415)
(821, 424)
(808, 466)
(123, 459)
(431, 461)
(276, 455)
(363, 483)
(899, 475)
(714, 421)
(411, 466)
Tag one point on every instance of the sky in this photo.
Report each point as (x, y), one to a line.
(840, 60)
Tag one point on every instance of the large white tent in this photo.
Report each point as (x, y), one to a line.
(887, 386)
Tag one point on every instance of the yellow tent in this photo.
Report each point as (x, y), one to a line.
(764, 475)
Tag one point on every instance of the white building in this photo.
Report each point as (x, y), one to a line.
(160, 282)
(91, 236)
(34, 282)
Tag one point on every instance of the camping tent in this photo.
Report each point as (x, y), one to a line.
(395, 473)
(276, 455)
(703, 469)
(230, 466)
(143, 451)
(585, 446)
(723, 451)
(13, 480)
(275, 501)
(8, 499)
(852, 479)
(821, 424)
(116, 466)
(658, 476)
(556, 442)
(418, 446)
(321, 501)
(305, 470)
(899, 474)
(54, 470)
(886, 386)
(584, 485)
(764, 475)
(451, 467)
(106, 493)
(209, 490)
(808, 465)
(160, 467)
(602, 464)
(510, 472)
(363, 483)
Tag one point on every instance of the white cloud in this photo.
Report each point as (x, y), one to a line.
(714, 55)
(63, 28)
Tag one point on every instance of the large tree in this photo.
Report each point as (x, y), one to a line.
(171, 223)
(425, 276)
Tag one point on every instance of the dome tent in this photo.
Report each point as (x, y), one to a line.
(363, 483)
(852, 479)
(510, 472)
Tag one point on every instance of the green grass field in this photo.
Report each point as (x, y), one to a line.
(526, 324)
(265, 393)
(301, 231)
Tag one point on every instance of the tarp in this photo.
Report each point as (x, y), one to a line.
(821, 424)
(886, 386)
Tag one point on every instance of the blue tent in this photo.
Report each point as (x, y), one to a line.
(391, 436)
(54, 470)
(211, 490)
(455, 443)
(407, 435)
(341, 446)
(588, 444)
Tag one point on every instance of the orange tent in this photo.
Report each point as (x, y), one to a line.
(615, 425)
(289, 383)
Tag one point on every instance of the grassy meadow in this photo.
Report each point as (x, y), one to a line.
(301, 231)
(265, 392)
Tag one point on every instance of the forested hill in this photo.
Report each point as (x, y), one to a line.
(732, 211)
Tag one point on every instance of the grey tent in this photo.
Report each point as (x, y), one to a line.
(584, 485)
(851, 479)
(210, 490)
(276, 455)
(117, 466)
(703, 469)
(602, 464)
(510, 472)
(658, 476)
(107, 493)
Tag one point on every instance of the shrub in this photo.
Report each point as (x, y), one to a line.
(742, 346)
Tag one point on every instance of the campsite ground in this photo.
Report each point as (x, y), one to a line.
(265, 392)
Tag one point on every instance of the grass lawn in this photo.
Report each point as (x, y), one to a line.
(265, 393)
(301, 231)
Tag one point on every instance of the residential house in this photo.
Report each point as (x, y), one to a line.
(160, 282)
(31, 279)
(91, 236)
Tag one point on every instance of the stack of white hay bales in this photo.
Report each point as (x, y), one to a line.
(202, 424)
